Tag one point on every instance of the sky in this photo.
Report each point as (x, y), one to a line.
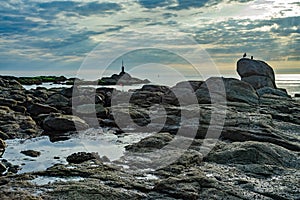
(46, 37)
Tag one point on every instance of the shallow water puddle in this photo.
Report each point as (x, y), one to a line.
(92, 140)
(42, 180)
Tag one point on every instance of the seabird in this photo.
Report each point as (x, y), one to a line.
(251, 57)
(244, 55)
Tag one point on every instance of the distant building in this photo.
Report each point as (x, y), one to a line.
(122, 68)
(123, 74)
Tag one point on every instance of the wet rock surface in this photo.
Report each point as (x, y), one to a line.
(245, 144)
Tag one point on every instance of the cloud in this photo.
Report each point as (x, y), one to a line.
(154, 3)
(15, 24)
(275, 39)
(62, 32)
(55, 7)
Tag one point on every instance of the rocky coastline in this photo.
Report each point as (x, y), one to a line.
(256, 155)
(123, 78)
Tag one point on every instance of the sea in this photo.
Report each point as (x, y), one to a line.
(290, 82)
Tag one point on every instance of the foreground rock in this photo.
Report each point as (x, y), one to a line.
(16, 125)
(63, 123)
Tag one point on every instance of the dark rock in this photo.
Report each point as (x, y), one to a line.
(79, 100)
(297, 95)
(91, 110)
(220, 89)
(122, 78)
(10, 167)
(8, 102)
(258, 82)
(194, 85)
(261, 135)
(247, 67)
(31, 153)
(3, 136)
(180, 95)
(177, 186)
(81, 157)
(2, 147)
(2, 168)
(63, 123)
(156, 141)
(57, 100)
(20, 98)
(246, 153)
(155, 88)
(105, 159)
(69, 92)
(37, 109)
(20, 109)
(10, 82)
(269, 90)
(257, 73)
(16, 124)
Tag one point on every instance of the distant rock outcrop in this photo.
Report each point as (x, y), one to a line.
(257, 73)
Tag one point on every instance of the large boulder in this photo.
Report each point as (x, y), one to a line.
(155, 88)
(268, 90)
(250, 152)
(58, 100)
(63, 123)
(37, 109)
(182, 93)
(8, 102)
(230, 89)
(16, 124)
(69, 92)
(258, 82)
(91, 110)
(188, 85)
(257, 73)
(247, 67)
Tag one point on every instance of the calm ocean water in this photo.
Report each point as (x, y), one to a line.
(291, 82)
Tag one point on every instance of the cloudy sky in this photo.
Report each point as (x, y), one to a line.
(55, 37)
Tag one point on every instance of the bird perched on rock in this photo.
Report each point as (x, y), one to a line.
(244, 55)
(251, 57)
(2, 147)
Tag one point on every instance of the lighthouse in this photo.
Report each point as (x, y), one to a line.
(122, 68)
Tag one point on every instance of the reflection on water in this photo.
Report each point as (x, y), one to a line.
(92, 140)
